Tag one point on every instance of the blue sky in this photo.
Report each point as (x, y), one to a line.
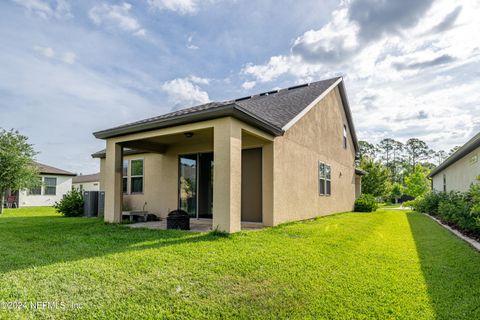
(69, 68)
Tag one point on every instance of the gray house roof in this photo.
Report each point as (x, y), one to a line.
(272, 111)
(468, 147)
(86, 178)
(45, 169)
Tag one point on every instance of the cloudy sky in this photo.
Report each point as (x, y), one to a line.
(69, 68)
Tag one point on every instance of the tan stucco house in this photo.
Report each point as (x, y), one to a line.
(270, 158)
(459, 170)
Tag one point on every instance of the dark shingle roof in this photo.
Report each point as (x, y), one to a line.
(86, 178)
(468, 147)
(269, 111)
(281, 107)
(43, 168)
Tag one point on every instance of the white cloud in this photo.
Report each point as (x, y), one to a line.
(45, 51)
(179, 6)
(334, 42)
(247, 85)
(116, 16)
(45, 9)
(69, 57)
(199, 80)
(190, 44)
(183, 92)
(419, 67)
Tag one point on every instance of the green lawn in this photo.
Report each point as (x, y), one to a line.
(388, 264)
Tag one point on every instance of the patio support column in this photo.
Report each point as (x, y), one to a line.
(113, 182)
(227, 177)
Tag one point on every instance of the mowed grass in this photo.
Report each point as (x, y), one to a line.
(387, 264)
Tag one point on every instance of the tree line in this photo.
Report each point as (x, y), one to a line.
(395, 168)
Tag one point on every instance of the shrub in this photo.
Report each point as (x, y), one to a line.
(71, 205)
(411, 203)
(365, 203)
(456, 208)
(429, 202)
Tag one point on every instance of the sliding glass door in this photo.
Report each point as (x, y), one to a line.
(195, 192)
(188, 184)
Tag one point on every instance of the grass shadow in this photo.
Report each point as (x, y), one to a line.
(34, 241)
(450, 267)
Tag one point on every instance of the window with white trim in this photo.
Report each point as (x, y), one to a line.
(444, 182)
(50, 187)
(136, 176)
(324, 179)
(37, 190)
(125, 176)
(344, 136)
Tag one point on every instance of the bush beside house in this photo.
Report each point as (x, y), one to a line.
(459, 210)
(366, 203)
(71, 205)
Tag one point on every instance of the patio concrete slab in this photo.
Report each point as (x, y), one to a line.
(196, 225)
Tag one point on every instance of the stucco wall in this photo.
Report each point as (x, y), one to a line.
(318, 136)
(461, 174)
(64, 185)
(161, 174)
(87, 186)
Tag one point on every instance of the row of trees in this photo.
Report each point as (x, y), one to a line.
(395, 168)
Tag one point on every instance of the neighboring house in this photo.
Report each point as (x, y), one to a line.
(55, 184)
(88, 182)
(279, 156)
(460, 170)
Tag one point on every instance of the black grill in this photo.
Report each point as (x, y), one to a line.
(178, 219)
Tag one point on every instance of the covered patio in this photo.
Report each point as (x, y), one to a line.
(220, 169)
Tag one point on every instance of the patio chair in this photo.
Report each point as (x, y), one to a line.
(12, 202)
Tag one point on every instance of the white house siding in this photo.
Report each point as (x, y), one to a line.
(87, 186)
(459, 175)
(64, 185)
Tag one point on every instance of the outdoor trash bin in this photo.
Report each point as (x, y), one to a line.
(178, 219)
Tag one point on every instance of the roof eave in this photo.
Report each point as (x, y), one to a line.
(348, 113)
(231, 110)
(71, 174)
(468, 147)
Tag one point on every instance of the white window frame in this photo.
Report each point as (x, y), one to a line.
(39, 188)
(345, 137)
(324, 179)
(125, 176)
(136, 176)
(45, 186)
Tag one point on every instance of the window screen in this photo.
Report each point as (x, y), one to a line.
(325, 182)
(136, 176)
(50, 186)
(125, 176)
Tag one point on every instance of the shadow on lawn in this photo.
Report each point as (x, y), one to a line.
(38, 241)
(450, 268)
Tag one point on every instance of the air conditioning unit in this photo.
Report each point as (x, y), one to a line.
(101, 203)
(90, 203)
